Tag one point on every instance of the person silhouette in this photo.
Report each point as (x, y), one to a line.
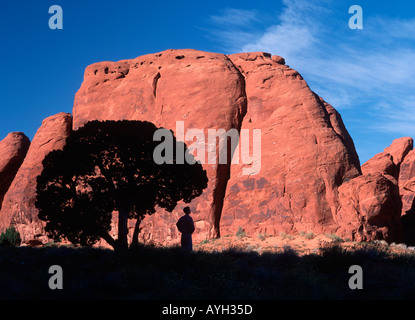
(186, 227)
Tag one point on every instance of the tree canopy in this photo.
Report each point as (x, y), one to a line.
(106, 167)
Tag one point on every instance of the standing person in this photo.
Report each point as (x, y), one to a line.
(186, 227)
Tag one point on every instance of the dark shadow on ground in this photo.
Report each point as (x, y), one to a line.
(172, 274)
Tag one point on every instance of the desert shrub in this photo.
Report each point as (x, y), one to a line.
(240, 233)
(334, 237)
(10, 238)
(331, 250)
(289, 251)
(371, 250)
(261, 236)
(285, 236)
(335, 258)
(308, 235)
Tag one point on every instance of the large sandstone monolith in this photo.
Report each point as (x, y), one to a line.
(306, 150)
(307, 154)
(177, 90)
(19, 202)
(301, 173)
(13, 149)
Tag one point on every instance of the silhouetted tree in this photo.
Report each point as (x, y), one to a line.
(105, 167)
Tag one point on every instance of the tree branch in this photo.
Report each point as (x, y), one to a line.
(110, 240)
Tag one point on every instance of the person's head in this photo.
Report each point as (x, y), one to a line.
(186, 210)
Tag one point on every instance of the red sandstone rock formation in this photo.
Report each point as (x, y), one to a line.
(371, 204)
(306, 154)
(370, 208)
(204, 90)
(306, 150)
(389, 161)
(19, 202)
(13, 150)
(309, 175)
(407, 181)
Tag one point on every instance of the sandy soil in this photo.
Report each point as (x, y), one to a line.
(302, 243)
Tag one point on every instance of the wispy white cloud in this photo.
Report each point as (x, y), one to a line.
(231, 25)
(297, 30)
(372, 68)
(235, 17)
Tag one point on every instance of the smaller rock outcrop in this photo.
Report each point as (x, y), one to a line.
(19, 202)
(389, 161)
(370, 208)
(13, 150)
(371, 204)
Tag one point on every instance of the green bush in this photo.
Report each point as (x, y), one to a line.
(10, 238)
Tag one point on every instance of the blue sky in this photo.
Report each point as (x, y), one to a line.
(367, 75)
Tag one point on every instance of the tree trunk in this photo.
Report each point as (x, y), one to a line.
(134, 242)
(105, 235)
(122, 242)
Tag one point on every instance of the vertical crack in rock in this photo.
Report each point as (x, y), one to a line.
(155, 80)
(223, 172)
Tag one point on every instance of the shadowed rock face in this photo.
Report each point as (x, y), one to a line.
(307, 177)
(407, 181)
(13, 149)
(19, 202)
(407, 193)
